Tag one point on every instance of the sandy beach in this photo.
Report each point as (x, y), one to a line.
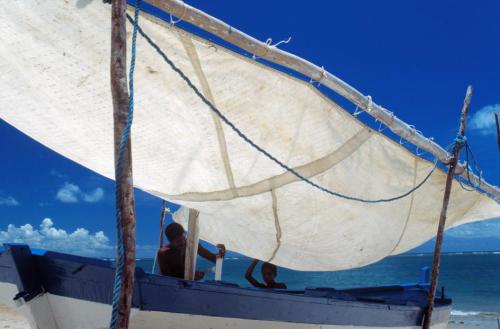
(10, 319)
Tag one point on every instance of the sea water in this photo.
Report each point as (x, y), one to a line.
(472, 280)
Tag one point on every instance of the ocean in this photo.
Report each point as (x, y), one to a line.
(472, 280)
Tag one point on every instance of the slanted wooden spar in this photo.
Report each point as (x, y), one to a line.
(123, 179)
(262, 50)
(162, 221)
(442, 218)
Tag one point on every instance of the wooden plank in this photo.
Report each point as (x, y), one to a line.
(260, 49)
(442, 218)
(191, 245)
(123, 177)
(219, 263)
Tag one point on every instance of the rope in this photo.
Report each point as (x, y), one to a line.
(120, 262)
(259, 148)
(468, 153)
(461, 140)
(269, 44)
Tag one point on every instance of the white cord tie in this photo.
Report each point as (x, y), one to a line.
(369, 106)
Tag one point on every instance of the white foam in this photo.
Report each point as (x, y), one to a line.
(464, 313)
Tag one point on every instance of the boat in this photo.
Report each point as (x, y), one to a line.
(55, 290)
(236, 140)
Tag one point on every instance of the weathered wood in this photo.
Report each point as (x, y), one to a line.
(442, 218)
(191, 245)
(160, 243)
(123, 178)
(219, 262)
(273, 54)
(162, 221)
(498, 130)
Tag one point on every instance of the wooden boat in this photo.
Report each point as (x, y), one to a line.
(259, 151)
(59, 291)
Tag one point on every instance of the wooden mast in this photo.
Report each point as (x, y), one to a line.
(442, 218)
(123, 177)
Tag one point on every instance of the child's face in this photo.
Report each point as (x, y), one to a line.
(268, 276)
(179, 242)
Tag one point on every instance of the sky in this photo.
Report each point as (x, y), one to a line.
(415, 58)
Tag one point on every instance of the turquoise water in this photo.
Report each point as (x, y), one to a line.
(472, 280)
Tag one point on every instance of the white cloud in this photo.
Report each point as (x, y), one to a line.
(8, 201)
(483, 120)
(57, 174)
(71, 193)
(483, 229)
(68, 193)
(94, 196)
(47, 236)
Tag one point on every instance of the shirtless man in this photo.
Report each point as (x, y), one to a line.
(171, 258)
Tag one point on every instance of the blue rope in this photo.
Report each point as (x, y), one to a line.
(124, 138)
(461, 140)
(257, 147)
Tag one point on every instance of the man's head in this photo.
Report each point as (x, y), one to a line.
(175, 234)
(269, 272)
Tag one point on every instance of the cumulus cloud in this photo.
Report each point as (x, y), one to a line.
(71, 193)
(68, 193)
(48, 236)
(8, 201)
(484, 229)
(94, 196)
(483, 121)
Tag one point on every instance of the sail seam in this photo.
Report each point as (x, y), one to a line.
(195, 61)
(309, 170)
(409, 209)
(276, 225)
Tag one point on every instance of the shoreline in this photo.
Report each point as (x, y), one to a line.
(474, 319)
(11, 319)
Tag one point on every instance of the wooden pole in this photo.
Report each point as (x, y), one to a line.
(123, 178)
(162, 221)
(192, 245)
(442, 218)
(275, 55)
(498, 130)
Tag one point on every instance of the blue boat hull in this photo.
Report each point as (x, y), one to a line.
(65, 291)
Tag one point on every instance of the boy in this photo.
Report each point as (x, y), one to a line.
(269, 272)
(171, 259)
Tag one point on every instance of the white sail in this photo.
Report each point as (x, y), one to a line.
(54, 87)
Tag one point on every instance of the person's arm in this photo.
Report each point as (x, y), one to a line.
(280, 285)
(198, 275)
(205, 253)
(249, 276)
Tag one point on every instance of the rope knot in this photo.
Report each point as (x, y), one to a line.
(461, 140)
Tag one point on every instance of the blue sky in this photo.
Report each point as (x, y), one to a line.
(414, 57)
